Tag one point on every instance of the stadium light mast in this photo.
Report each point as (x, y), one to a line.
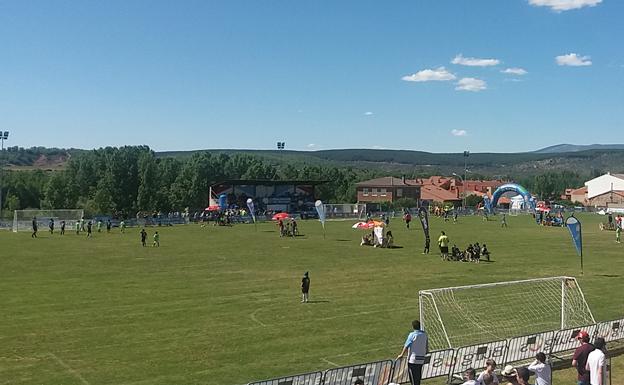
(3, 136)
(464, 190)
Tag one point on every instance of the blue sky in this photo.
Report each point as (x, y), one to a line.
(315, 74)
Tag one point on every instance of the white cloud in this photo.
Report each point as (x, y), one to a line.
(564, 5)
(514, 71)
(474, 62)
(311, 145)
(455, 132)
(471, 84)
(368, 113)
(573, 60)
(438, 74)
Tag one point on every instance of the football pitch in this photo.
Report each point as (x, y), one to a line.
(221, 305)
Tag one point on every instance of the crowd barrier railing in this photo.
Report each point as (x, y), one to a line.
(451, 362)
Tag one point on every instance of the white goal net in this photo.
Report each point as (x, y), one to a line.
(465, 315)
(345, 210)
(22, 219)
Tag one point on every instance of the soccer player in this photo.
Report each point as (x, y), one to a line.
(82, 224)
(34, 228)
(122, 226)
(407, 217)
(579, 359)
(77, 227)
(427, 244)
(89, 226)
(541, 369)
(490, 366)
(305, 287)
(597, 363)
(504, 221)
(143, 237)
(416, 345)
(156, 242)
(62, 227)
(109, 224)
(99, 225)
(443, 242)
(618, 233)
(51, 225)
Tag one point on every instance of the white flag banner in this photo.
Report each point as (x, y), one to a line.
(250, 206)
(320, 209)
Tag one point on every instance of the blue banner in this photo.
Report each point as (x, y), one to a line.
(574, 226)
(487, 204)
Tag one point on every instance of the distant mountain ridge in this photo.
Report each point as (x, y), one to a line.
(561, 148)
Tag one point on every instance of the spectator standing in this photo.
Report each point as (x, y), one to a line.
(579, 359)
(305, 287)
(523, 375)
(597, 363)
(416, 345)
(541, 369)
(490, 366)
(469, 376)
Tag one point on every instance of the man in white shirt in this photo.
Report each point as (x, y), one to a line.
(417, 345)
(597, 363)
(541, 369)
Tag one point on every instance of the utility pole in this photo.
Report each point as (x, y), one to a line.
(466, 155)
(3, 136)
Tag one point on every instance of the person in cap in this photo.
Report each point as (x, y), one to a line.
(510, 375)
(597, 363)
(490, 366)
(305, 287)
(417, 344)
(541, 369)
(579, 359)
(469, 376)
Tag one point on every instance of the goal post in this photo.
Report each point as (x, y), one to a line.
(22, 219)
(345, 210)
(465, 315)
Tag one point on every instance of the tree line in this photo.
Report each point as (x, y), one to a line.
(124, 180)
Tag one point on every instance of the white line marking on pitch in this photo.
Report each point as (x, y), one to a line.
(69, 369)
(253, 317)
(329, 362)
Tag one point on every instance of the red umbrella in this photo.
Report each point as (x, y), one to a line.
(363, 225)
(213, 208)
(279, 216)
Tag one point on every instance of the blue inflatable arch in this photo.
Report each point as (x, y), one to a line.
(511, 187)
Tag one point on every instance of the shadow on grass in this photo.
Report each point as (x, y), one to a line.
(609, 275)
(319, 301)
(344, 240)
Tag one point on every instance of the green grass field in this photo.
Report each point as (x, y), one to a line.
(218, 305)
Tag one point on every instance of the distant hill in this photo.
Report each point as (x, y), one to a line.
(562, 148)
(584, 160)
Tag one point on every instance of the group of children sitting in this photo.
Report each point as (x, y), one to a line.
(473, 253)
(371, 239)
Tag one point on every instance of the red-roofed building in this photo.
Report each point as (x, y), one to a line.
(386, 189)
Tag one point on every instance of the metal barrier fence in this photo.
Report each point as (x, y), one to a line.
(450, 362)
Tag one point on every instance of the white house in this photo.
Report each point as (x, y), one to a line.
(603, 184)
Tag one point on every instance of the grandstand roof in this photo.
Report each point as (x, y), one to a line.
(387, 181)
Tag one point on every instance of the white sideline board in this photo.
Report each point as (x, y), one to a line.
(566, 339)
(526, 347)
(610, 330)
(475, 356)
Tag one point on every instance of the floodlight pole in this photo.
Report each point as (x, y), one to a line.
(3, 135)
(464, 190)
